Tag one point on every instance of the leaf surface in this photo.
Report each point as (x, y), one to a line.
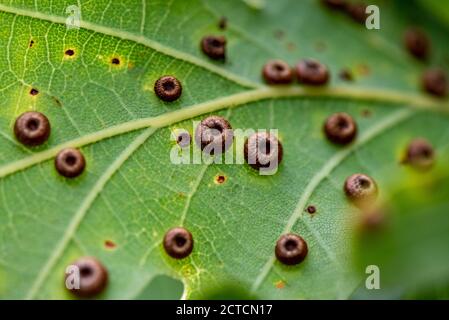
(131, 193)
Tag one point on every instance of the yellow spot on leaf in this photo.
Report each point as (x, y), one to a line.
(279, 284)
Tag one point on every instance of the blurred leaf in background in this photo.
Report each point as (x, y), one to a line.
(409, 240)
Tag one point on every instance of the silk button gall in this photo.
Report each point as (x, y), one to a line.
(178, 243)
(214, 47)
(435, 82)
(340, 128)
(263, 150)
(291, 249)
(417, 43)
(361, 189)
(32, 128)
(70, 163)
(277, 72)
(420, 154)
(93, 277)
(214, 135)
(168, 88)
(312, 72)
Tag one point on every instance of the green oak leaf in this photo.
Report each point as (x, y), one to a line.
(131, 193)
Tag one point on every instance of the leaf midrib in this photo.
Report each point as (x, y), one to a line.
(355, 94)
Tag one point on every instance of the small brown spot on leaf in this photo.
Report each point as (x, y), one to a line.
(220, 179)
(279, 284)
(34, 92)
(183, 139)
(363, 70)
(70, 52)
(223, 23)
(346, 75)
(311, 209)
(366, 113)
(109, 244)
(31, 43)
(57, 101)
(115, 61)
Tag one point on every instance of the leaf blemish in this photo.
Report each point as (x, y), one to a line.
(57, 101)
(346, 75)
(34, 92)
(109, 244)
(363, 70)
(366, 113)
(69, 52)
(220, 179)
(223, 23)
(115, 61)
(183, 139)
(31, 43)
(311, 209)
(279, 284)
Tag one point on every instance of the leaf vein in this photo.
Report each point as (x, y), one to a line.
(83, 209)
